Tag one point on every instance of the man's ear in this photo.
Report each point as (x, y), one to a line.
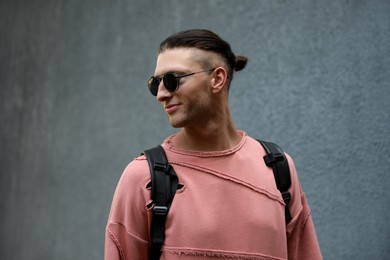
(219, 80)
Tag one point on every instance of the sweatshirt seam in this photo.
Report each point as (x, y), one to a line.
(217, 253)
(128, 232)
(227, 177)
(117, 243)
(304, 222)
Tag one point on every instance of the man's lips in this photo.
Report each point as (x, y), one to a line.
(171, 108)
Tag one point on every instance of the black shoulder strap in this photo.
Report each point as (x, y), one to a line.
(164, 186)
(276, 159)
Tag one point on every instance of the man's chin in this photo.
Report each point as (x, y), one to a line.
(176, 124)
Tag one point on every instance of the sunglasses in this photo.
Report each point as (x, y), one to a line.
(170, 80)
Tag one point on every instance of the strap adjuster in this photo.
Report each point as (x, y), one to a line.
(271, 158)
(164, 167)
(160, 210)
(286, 197)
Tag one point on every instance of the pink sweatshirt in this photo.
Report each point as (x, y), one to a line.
(229, 207)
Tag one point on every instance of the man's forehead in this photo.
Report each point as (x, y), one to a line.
(176, 59)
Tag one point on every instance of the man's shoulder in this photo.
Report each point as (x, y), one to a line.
(136, 171)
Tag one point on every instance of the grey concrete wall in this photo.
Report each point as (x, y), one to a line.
(75, 110)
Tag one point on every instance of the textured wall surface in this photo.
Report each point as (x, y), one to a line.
(74, 110)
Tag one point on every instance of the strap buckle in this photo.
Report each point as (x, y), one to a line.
(160, 210)
(269, 159)
(164, 167)
(286, 197)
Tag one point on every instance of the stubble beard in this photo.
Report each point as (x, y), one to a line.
(195, 116)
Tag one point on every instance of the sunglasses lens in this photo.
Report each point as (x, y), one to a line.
(153, 85)
(170, 82)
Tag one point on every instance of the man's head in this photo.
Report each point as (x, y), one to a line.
(193, 72)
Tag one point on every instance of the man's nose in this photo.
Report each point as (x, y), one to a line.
(162, 92)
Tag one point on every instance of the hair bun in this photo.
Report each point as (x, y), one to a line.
(240, 63)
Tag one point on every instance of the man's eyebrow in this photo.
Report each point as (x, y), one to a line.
(171, 71)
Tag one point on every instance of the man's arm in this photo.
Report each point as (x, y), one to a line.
(127, 230)
(301, 236)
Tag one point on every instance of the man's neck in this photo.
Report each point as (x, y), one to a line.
(207, 138)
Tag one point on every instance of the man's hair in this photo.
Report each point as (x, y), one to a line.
(208, 41)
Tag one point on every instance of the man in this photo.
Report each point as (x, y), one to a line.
(228, 205)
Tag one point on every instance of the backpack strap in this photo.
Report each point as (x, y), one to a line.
(164, 185)
(276, 159)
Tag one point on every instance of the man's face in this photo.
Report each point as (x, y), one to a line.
(191, 104)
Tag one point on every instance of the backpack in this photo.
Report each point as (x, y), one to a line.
(164, 183)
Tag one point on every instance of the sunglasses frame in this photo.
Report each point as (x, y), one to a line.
(154, 82)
